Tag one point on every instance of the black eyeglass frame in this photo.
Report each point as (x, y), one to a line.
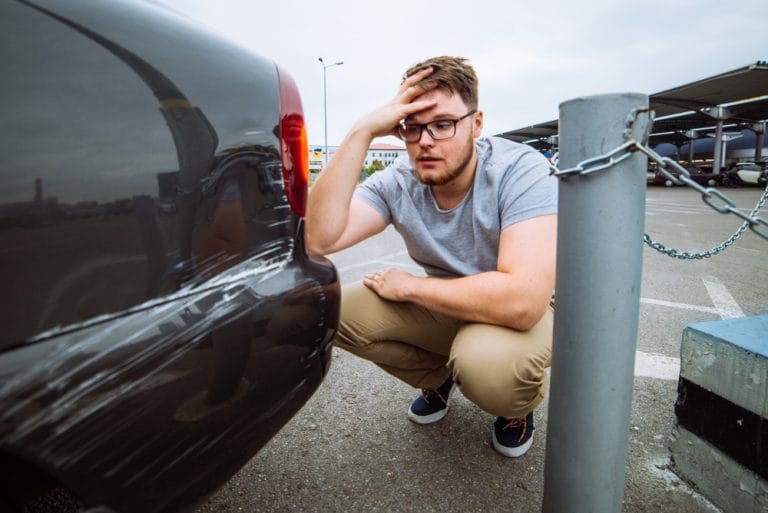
(401, 128)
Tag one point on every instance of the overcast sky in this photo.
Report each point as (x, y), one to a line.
(530, 56)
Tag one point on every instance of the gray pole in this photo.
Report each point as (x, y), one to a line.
(325, 118)
(717, 156)
(325, 115)
(692, 136)
(599, 266)
(759, 141)
(325, 107)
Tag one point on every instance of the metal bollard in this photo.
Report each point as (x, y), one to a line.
(599, 267)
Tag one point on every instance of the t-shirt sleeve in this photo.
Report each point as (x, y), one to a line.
(375, 191)
(527, 192)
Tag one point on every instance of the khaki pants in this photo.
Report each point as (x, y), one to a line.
(501, 370)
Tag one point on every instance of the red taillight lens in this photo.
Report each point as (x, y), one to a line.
(293, 142)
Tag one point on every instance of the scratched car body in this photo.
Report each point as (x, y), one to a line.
(161, 317)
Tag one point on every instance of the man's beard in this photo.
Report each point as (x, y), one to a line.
(450, 174)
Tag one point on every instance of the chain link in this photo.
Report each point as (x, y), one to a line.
(709, 195)
(684, 255)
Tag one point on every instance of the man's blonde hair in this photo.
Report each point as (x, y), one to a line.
(453, 75)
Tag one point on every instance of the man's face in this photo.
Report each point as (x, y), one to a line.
(439, 162)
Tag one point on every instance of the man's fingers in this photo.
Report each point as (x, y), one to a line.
(417, 77)
(384, 121)
(412, 82)
(417, 87)
(417, 106)
(417, 90)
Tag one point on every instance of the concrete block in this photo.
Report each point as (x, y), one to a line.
(720, 441)
(730, 358)
(723, 481)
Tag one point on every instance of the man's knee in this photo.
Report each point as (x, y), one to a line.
(504, 377)
(349, 340)
(499, 373)
(506, 389)
(357, 304)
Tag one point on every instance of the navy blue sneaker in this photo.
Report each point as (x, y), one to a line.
(513, 437)
(431, 405)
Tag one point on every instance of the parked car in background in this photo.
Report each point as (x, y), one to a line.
(161, 317)
(746, 174)
(697, 174)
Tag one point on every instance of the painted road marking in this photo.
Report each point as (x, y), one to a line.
(386, 260)
(723, 300)
(657, 211)
(684, 306)
(657, 366)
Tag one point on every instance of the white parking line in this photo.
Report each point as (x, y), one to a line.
(386, 261)
(723, 300)
(683, 306)
(657, 211)
(657, 366)
(400, 265)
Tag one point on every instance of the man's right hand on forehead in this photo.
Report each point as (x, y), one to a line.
(384, 120)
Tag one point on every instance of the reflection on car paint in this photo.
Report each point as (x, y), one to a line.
(164, 318)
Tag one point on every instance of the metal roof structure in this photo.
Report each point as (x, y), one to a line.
(678, 129)
(738, 97)
(734, 86)
(539, 132)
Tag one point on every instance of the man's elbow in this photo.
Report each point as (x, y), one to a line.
(524, 323)
(526, 318)
(314, 248)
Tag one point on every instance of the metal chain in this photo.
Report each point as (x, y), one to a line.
(684, 255)
(622, 152)
(751, 221)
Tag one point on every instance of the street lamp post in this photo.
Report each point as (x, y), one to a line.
(325, 107)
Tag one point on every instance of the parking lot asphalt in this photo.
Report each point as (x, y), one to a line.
(352, 449)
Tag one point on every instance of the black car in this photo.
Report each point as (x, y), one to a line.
(161, 317)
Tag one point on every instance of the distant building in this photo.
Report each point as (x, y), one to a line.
(384, 153)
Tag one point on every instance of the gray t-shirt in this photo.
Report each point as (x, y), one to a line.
(512, 184)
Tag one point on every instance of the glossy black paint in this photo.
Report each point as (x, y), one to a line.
(161, 317)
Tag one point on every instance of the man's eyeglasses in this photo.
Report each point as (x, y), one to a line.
(437, 130)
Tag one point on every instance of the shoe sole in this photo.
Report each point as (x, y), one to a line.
(427, 419)
(511, 452)
(432, 417)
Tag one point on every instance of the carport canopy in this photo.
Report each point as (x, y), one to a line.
(739, 97)
(738, 85)
(541, 133)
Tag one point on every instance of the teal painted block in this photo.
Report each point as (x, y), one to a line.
(750, 333)
(730, 359)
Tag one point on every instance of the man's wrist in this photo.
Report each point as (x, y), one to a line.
(410, 291)
(359, 132)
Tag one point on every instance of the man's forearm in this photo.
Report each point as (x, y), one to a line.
(331, 194)
(491, 297)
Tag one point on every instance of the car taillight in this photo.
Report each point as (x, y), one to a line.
(293, 143)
